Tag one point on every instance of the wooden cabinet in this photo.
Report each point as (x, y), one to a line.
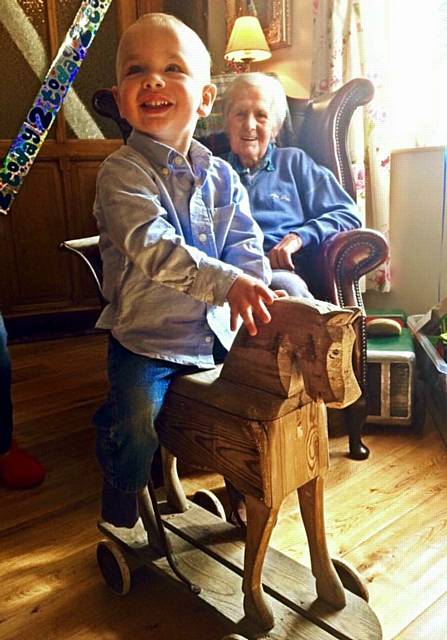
(56, 199)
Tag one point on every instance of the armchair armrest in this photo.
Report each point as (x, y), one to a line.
(333, 271)
(346, 257)
(87, 250)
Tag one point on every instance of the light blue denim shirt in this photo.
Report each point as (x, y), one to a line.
(174, 235)
(290, 193)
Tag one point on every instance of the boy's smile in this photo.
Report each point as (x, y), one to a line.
(163, 84)
(155, 105)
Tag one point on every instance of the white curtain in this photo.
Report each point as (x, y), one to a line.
(401, 46)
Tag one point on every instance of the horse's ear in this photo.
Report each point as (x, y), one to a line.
(347, 315)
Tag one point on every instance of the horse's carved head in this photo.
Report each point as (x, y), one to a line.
(307, 343)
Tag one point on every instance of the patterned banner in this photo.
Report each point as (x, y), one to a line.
(27, 144)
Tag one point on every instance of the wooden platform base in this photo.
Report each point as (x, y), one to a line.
(210, 552)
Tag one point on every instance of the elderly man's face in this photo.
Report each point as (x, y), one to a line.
(250, 127)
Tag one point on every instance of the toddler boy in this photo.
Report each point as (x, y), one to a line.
(182, 255)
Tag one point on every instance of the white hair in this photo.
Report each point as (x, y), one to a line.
(267, 85)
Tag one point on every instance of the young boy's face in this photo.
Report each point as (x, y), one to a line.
(163, 83)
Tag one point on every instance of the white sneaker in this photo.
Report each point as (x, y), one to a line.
(135, 536)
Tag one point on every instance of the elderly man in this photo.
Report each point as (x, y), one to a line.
(296, 202)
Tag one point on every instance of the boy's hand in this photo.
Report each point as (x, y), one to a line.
(248, 298)
(280, 255)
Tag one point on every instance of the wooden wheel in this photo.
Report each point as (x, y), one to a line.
(351, 579)
(113, 566)
(207, 500)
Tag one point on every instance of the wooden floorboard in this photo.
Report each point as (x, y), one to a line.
(387, 516)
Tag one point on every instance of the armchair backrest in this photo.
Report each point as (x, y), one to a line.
(104, 104)
(320, 127)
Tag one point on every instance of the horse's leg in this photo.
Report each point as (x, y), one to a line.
(260, 522)
(328, 584)
(175, 495)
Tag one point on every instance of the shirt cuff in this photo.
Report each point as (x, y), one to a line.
(306, 237)
(213, 281)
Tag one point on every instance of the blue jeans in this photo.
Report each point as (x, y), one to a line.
(5, 392)
(290, 282)
(126, 435)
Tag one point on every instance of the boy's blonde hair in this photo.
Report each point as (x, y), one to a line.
(171, 22)
(268, 85)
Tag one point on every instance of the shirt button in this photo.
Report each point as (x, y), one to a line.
(208, 339)
(165, 171)
(202, 237)
(178, 160)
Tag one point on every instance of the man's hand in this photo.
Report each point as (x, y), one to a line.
(249, 298)
(281, 255)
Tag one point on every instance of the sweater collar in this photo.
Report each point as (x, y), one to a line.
(265, 163)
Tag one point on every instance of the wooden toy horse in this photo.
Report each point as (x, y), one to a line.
(260, 420)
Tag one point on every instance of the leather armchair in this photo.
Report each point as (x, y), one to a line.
(333, 271)
(320, 127)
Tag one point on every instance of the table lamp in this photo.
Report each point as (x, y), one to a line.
(247, 42)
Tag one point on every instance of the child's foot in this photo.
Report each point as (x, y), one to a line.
(132, 536)
(20, 470)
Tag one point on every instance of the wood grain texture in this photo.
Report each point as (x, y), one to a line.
(288, 581)
(312, 347)
(307, 345)
(385, 515)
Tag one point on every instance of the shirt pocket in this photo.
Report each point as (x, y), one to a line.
(221, 215)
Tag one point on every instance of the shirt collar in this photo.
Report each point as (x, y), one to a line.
(167, 160)
(265, 163)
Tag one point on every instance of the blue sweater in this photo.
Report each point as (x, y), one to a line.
(290, 193)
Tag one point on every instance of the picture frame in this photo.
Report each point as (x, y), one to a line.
(274, 16)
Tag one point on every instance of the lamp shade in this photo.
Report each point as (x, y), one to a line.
(247, 41)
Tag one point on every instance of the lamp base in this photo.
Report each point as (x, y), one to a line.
(241, 66)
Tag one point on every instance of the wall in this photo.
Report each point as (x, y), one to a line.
(293, 64)
(217, 33)
(416, 220)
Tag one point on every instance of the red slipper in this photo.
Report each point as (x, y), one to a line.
(20, 470)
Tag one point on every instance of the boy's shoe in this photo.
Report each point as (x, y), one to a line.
(20, 470)
(135, 536)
